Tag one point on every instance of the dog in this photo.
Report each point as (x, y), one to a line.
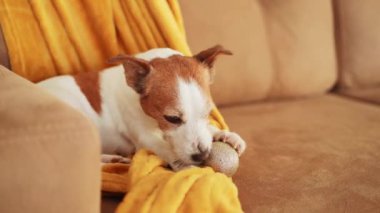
(159, 100)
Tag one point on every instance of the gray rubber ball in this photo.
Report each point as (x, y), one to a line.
(223, 158)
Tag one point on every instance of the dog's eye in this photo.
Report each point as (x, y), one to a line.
(173, 119)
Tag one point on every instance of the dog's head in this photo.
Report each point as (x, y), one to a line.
(175, 91)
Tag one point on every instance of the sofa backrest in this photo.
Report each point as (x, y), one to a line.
(281, 48)
(358, 43)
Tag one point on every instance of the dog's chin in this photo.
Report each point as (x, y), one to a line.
(189, 162)
(184, 160)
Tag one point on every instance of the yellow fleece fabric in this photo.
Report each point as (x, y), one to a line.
(53, 37)
(151, 187)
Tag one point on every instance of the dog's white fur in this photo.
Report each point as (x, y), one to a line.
(124, 127)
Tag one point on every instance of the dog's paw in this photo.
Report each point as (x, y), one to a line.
(232, 138)
(114, 159)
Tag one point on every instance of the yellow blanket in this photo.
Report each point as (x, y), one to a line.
(153, 188)
(46, 38)
(51, 37)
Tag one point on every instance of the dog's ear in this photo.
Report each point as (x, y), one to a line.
(209, 56)
(136, 71)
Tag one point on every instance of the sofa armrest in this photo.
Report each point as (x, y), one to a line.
(49, 153)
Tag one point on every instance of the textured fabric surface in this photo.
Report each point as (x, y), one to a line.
(371, 95)
(312, 155)
(153, 188)
(358, 43)
(49, 153)
(281, 48)
(47, 38)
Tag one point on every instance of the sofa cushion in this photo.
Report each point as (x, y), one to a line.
(316, 155)
(49, 153)
(371, 95)
(358, 42)
(281, 49)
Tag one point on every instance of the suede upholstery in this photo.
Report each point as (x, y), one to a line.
(358, 45)
(49, 152)
(358, 42)
(282, 48)
(310, 155)
(370, 95)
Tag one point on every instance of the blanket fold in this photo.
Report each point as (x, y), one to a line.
(151, 187)
(69, 36)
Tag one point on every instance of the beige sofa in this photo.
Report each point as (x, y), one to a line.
(302, 88)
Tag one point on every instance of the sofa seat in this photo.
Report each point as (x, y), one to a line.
(319, 154)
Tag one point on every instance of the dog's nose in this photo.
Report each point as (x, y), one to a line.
(201, 156)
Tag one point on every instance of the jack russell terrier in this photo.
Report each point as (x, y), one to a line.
(158, 100)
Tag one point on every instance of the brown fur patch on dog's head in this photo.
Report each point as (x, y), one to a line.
(162, 98)
(175, 91)
(157, 80)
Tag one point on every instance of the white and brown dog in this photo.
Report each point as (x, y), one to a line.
(158, 100)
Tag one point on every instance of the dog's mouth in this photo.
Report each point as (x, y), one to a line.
(181, 159)
(181, 164)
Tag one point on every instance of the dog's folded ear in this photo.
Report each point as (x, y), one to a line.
(209, 56)
(136, 71)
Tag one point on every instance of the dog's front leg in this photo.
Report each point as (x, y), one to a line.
(108, 158)
(232, 138)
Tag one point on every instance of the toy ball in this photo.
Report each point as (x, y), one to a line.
(223, 158)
